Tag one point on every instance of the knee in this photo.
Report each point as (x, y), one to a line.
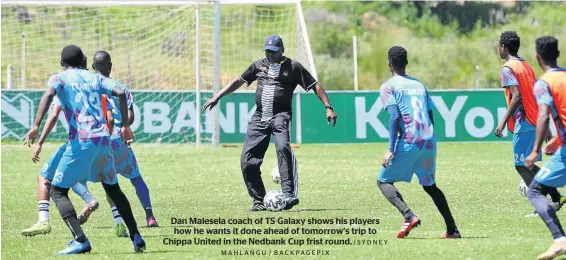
(248, 163)
(431, 189)
(247, 166)
(135, 180)
(43, 181)
(111, 188)
(53, 194)
(535, 189)
(382, 185)
(520, 169)
(282, 147)
(244, 159)
(58, 192)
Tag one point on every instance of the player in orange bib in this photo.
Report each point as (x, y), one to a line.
(518, 80)
(550, 93)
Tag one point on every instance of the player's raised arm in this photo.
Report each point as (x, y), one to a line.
(247, 77)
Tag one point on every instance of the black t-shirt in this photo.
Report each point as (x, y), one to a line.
(276, 83)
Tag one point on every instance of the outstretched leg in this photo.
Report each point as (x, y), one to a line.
(393, 195)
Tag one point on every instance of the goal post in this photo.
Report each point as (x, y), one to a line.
(174, 55)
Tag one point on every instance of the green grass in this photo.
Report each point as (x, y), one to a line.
(335, 181)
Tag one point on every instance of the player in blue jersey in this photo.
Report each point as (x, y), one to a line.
(124, 158)
(88, 153)
(47, 172)
(518, 80)
(550, 94)
(45, 177)
(412, 145)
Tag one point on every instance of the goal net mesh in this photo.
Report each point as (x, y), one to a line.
(153, 51)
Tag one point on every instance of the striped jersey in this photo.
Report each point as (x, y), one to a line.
(79, 93)
(276, 83)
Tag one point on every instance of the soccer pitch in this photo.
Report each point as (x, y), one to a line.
(335, 181)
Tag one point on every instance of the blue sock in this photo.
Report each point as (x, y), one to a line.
(143, 194)
(82, 190)
(544, 209)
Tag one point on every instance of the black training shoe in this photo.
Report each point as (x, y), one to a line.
(291, 202)
(257, 207)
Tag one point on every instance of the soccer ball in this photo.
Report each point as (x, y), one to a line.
(523, 188)
(274, 200)
(275, 177)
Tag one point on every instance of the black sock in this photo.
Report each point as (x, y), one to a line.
(61, 198)
(394, 197)
(123, 206)
(148, 212)
(440, 201)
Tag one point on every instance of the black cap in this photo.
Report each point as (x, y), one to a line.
(273, 43)
(72, 56)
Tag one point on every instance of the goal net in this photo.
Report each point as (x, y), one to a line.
(159, 50)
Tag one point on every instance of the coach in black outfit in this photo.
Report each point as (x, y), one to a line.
(277, 77)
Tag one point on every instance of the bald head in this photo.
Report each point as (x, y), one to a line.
(102, 63)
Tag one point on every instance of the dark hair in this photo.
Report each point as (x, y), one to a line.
(397, 56)
(72, 56)
(101, 57)
(511, 41)
(547, 48)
